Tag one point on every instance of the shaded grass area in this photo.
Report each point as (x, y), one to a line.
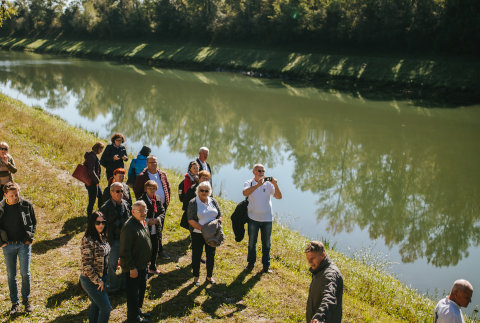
(46, 151)
(409, 75)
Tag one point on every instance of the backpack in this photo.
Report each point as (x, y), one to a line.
(132, 175)
(181, 194)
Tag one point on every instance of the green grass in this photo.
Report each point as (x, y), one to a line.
(413, 72)
(45, 158)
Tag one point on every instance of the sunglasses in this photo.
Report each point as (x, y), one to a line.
(118, 191)
(261, 170)
(204, 191)
(100, 222)
(3, 148)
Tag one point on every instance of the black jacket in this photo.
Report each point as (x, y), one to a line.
(239, 218)
(114, 218)
(150, 211)
(135, 246)
(93, 166)
(325, 294)
(107, 157)
(29, 220)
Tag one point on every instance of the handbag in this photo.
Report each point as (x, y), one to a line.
(81, 173)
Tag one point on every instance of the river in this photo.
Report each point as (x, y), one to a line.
(396, 180)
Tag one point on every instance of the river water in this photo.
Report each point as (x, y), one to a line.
(395, 179)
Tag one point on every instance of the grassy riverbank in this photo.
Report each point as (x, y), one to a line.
(408, 73)
(46, 150)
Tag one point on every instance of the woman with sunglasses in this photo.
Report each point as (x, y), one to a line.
(202, 210)
(7, 165)
(95, 250)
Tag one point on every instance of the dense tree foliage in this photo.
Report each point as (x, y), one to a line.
(452, 25)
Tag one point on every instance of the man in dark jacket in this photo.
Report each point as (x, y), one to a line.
(324, 303)
(17, 227)
(135, 252)
(116, 211)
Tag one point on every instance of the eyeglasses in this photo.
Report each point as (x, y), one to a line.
(261, 170)
(100, 222)
(118, 191)
(204, 191)
(3, 148)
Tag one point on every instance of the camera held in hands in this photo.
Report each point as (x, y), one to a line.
(267, 179)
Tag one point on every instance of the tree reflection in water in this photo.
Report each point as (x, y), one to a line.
(413, 182)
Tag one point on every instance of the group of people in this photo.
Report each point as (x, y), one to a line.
(128, 235)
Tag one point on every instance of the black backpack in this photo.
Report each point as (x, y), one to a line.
(181, 194)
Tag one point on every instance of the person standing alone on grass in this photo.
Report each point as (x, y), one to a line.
(448, 309)
(135, 253)
(260, 214)
(324, 303)
(17, 227)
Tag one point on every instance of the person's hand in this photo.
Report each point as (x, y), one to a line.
(124, 157)
(133, 273)
(28, 242)
(261, 181)
(274, 181)
(5, 158)
(220, 219)
(100, 286)
(98, 184)
(116, 157)
(3, 245)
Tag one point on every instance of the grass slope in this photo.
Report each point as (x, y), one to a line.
(46, 150)
(459, 74)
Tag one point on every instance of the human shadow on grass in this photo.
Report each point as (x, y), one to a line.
(175, 250)
(72, 290)
(180, 305)
(232, 294)
(168, 281)
(70, 228)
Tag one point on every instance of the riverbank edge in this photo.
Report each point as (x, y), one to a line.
(370, 294)
(411, 75)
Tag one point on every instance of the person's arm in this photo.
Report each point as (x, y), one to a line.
(124, 154)
(250, 189)
(34, 221)
(168, 188)
(90, 163)
(107, 157)
(192, 215)
(11, 165)
(88, 260)
(126, 248)
(278, 193)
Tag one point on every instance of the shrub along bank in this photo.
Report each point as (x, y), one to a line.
(45, 160)
(445, 75)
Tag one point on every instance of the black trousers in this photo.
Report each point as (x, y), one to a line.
(135, 293)
(197, 249)
(94, 192)
(155, 247)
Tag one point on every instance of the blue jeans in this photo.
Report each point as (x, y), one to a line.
(24, 252)
(100, 307)
(113, 282)
(266, 232)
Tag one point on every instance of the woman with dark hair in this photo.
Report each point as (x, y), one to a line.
(115, 154)
(118, 176)
(95, 250)
(94, 170)
(191, 177)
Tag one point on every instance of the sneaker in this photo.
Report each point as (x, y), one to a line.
(267, 270)
(15, 308)
(28, 306)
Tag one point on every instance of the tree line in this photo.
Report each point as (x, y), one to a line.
(423, 25)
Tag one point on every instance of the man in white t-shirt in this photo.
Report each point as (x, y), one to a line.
(448, 309)
(260, 214)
